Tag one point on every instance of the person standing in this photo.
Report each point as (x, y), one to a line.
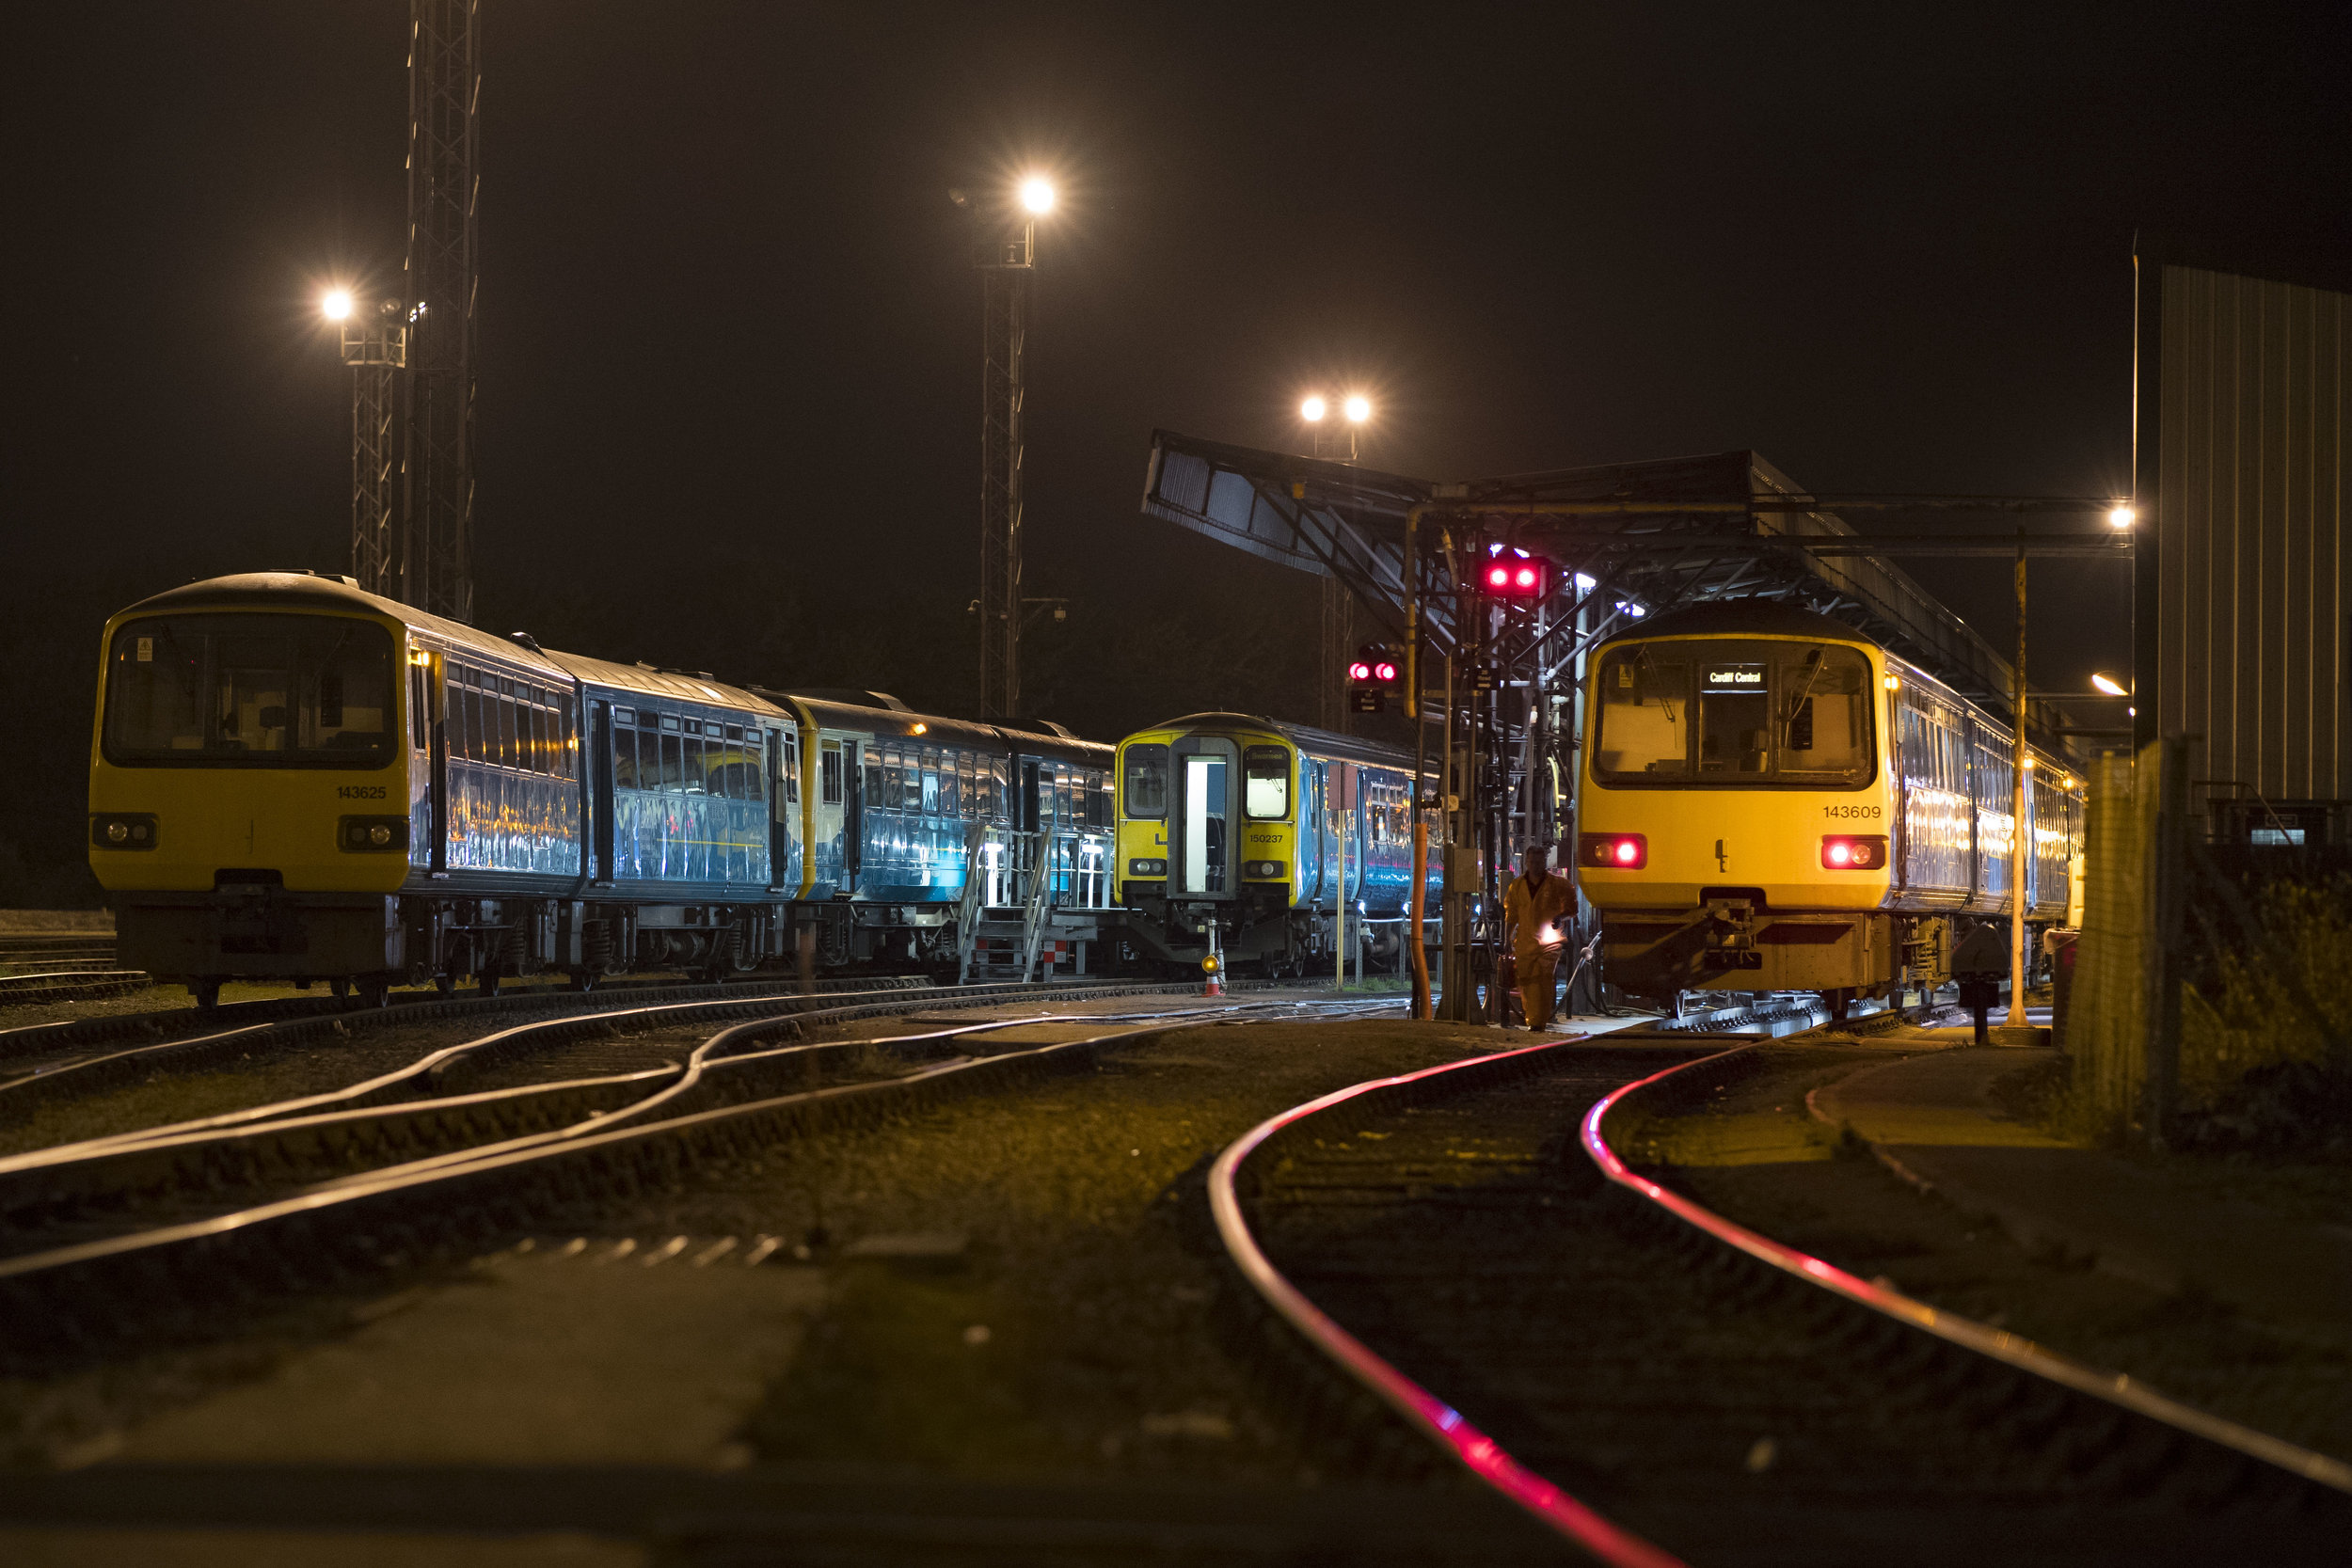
(1536, 910)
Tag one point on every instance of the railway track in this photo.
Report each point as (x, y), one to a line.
(43, 1064)
(126, 1237)
(1468, 1260)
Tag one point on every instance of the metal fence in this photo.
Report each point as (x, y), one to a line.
(2123, 1019)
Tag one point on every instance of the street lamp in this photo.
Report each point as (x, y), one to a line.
(1313, 410)
(2110, 685)
(2121, 515)
(1037, 194)
(336, 305)
(1359, 409)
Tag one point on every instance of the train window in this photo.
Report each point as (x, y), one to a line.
(884, 780)
(950, 799)
(501, 718)
(469, 714)
(922, 783)
(1826, 717)
(1643, 715)
(673, 776)
(1146, 782)
(1061, 794)
(669, 720)
(624, 715)
(263, 689)
(829, 774)
(1267, 782)
(624, 758)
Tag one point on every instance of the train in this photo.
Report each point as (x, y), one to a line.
(1771, 801)
(1239, 835)
(293, 779)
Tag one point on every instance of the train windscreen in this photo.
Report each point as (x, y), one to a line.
(250, 690)
(1727, 712)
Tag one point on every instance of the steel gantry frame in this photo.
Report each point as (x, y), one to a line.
(1498, 685)
(1007, 270)
(435, 565)
(377, 352)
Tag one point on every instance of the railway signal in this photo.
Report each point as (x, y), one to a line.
(1516, 578)
(1370, 675)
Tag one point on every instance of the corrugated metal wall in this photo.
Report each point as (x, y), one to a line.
(2242, 436)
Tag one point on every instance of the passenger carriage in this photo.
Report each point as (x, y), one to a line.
(1246, 827)
(1771, 802)
(294, 779)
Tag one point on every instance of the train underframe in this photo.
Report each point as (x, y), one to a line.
(1257, 933)
(370, 943)
(1739, 944)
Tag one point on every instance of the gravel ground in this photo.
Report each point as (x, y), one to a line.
(1050, 1308)
(1014, 1292)
(1841, 1204)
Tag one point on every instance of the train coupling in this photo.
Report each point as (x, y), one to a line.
(1730, 937)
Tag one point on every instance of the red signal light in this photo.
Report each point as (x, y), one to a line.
(1613, 851)
(1360, 670)
(1384, 671)
(1526, 578)
(1498, 577)
(1853, 852)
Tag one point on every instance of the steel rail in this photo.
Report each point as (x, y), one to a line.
(72, 1295)
(336, 1145)
(94, 1074)
(1484, 1458)
(2115, 1388)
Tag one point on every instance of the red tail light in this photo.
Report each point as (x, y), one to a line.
(1853, 852)
(1613, 851)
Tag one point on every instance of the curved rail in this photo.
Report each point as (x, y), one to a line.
(2011, 1349)
(1479, 1453)
(45, 1294)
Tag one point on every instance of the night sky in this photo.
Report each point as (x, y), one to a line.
(729, 335)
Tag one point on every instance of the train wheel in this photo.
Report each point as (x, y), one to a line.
(375, 991)
(488, 982)
(1838, 1002)
(445, 984)
(341, 988)
(583, 979)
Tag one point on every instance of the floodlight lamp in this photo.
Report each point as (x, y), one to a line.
(1037, 194)
(336, 305)
(1312, 410)
(2109, 684)
(2121, 515)
(1359, 409)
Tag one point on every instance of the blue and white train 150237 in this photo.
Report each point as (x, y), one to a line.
(1772, 801)
(294, 779)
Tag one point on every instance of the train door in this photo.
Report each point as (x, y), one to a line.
(852, 816)
(600, 792)
(1200, 843)
(779, 822)
(437, 691)
(1311, 832)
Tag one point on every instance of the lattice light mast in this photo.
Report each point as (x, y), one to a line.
(435, 566)
(1008, 262)
(1335, 434)
(376, 346)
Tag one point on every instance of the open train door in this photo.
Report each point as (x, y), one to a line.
(1200, 845)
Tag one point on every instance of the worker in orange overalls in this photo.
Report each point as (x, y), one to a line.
(1536, 910)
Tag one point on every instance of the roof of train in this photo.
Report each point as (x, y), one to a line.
(1349, 747)
(1743, 618)
(299, 591)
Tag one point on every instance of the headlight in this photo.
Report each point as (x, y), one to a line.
(1853, 852)
(1261, 868)
(371, 835)
(1147, 868)
(122, 830)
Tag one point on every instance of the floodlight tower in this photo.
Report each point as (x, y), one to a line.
(1008, 262)
(376, 346)
(1332, 438)
(435, 565)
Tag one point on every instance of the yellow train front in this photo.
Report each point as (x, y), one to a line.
(1247, 833)
(1770, 802)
